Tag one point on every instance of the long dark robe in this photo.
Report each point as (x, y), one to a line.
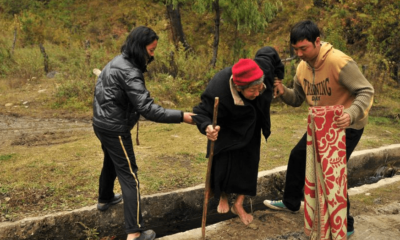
(242, 122)
(236, 171)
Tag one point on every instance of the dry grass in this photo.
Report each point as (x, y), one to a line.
(368, 203)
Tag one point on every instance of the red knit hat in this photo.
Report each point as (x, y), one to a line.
(246, 71)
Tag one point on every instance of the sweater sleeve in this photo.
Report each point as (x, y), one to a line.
(352, 78)
(293, 97)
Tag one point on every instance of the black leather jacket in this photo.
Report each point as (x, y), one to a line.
(121, 96)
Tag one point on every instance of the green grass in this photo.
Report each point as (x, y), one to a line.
(6, 157)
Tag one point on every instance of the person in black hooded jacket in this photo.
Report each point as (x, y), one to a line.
(120, 98)
(245, 92)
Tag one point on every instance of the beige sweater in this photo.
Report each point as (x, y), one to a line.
(335, 80)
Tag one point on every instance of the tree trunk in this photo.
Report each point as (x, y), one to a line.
(216, 34)
(87, 50)
(176, 26)
(319, 3)
(46, 58)
(324, 3)
(396, 73)
(15, 39)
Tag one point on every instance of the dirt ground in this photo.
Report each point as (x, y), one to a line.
(377, 214)
(28, 131)
(22, 130)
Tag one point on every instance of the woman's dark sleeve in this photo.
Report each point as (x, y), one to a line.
(204, 112)
(139, 96)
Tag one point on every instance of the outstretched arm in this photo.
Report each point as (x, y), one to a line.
(278, 88)
(187, 117)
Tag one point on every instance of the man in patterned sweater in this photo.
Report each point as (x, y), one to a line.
(324, 77)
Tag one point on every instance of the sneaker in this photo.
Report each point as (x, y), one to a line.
(350, 233)
(104, 206)
(277, 205)
(146, 235)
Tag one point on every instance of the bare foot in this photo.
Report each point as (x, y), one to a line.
(132, 236)
(243, 215)
(223, 206)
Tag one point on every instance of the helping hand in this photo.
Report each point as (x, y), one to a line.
(187, 117)
(278, 88)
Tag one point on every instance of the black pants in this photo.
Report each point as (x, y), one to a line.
(296, 170)
(119, 160)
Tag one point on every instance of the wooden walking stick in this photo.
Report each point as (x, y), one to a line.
(207, 187)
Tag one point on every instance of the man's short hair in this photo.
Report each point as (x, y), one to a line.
(305, 29)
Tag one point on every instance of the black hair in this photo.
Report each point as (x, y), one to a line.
(135, 45)
(306, 29)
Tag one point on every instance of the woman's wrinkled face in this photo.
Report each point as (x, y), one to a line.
(252, 92)
(151, 48)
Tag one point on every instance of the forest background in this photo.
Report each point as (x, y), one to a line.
(48, 49)
(197, 39)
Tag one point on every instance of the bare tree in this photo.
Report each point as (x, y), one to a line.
(16, 24)
(247, 15)
(176, 25)
(217, 21)
(45, 57)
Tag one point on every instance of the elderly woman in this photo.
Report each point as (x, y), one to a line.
(245, 94)
(120, 97)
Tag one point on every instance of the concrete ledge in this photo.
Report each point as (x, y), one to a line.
(180, 210)
(368, 187)
(364, 164)
(222, 226)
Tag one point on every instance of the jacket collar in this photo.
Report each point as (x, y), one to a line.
(132, 61)
(323, 53)
(237, 100)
